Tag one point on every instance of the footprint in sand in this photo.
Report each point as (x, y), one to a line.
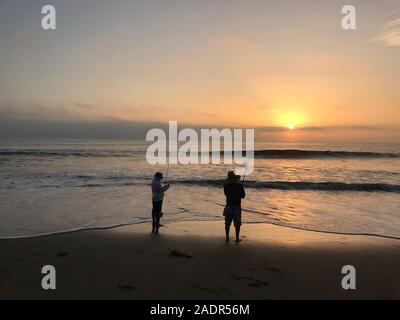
(62, 254)
(178, 253)
(203, 288)
(253, 282)
(126, 287)
(274, 269)
(258, 283)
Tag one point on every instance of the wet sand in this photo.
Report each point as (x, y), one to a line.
(190, 260)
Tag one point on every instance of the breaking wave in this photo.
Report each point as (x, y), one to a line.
(298, 154)
(300, 185)
(122, 180)
(267, 154)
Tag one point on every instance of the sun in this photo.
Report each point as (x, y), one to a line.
(291, 120)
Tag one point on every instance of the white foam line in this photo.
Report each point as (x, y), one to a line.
(310, 230)
(85, 228)
(81, 228)
(113, 226)
(324, 231)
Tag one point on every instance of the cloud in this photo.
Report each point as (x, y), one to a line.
(85, 106)
(350, 127)
(36, 111)
(395, 4)
(268, 108)
(209, 115)
(69, 129)
(231, 43)
(75, 111)
(390, 35)
(271, 129)
(320, 128)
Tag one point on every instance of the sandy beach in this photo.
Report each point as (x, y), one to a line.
(191, 260)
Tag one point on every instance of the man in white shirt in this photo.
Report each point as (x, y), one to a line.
(158, 195)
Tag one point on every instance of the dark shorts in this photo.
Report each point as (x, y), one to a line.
(233, 214)
(156, 211)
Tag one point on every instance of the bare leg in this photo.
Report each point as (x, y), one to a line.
(227, 227)
(157, 224)
(237, 229)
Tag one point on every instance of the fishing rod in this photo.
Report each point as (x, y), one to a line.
(165, 184)
(166, 176)
(245, 171)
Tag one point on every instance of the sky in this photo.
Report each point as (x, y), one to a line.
(286, 68)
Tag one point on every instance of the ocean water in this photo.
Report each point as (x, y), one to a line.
(60, 186)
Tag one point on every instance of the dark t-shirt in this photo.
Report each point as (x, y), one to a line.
(234, 193)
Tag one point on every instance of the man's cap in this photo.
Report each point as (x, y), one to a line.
(232, 177)
(159, 175)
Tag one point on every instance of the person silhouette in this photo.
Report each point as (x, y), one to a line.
(234, 192)
(157, 191)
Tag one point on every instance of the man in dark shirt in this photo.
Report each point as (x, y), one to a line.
(234, 192)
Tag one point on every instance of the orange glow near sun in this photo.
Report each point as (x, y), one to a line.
(291, 120)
